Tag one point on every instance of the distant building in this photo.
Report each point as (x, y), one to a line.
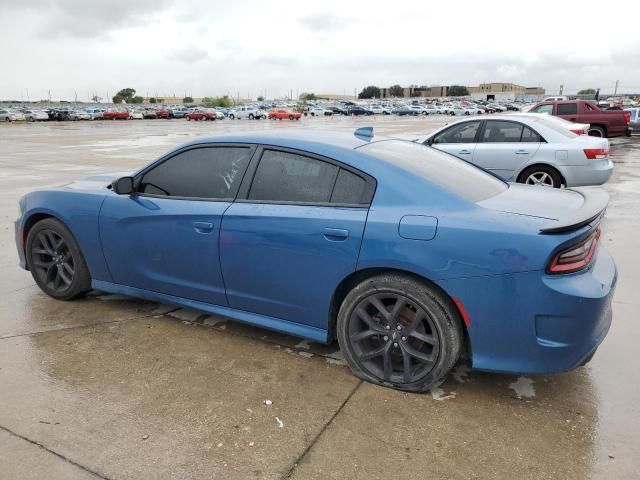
(484, 91)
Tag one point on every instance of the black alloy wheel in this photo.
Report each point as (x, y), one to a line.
(55, 261)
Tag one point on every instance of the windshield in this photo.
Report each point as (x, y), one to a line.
(455, 175)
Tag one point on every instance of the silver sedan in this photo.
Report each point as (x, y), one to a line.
(525, 149)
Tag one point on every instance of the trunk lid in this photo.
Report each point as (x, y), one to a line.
(566, 209)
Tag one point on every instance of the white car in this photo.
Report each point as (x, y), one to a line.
(95, 113)
(35, 115)
(319, 112)
(249, 112)
(80, 115)
(526, 149)
(7, 115)
(431, 109)
(462, 110)
(380, 110)
(136, 115)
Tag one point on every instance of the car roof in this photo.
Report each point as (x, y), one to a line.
(316, 141)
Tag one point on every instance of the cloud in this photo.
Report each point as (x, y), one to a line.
(190, 54)
(324, 22)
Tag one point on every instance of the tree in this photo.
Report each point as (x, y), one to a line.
(137, 99)
(117, 99)
(152, 100)
(187, 100)
(396, 91)
(126, 94)
(260, 98)
(587, 91)
(416, 93)
(216, 101)
(304, 96)
(369, 92)
(159, 100)
(457, 91)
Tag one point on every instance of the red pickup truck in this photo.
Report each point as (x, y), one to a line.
(604, 123)
(115, 115)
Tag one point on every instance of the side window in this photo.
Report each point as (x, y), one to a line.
(208, 172)
(548, 108)
(288, 177)
(567, 108)
(529, 136)
(462, 133)
(502, 132)
(349, 188)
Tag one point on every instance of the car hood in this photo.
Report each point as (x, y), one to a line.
(533, 201)
(96, 182)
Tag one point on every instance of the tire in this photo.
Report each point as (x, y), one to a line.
(55, 260)
(597, 132)
(542, 175)
(188, 119)
(232, 116)
(290, 117)
(251, 117)
(391, 334)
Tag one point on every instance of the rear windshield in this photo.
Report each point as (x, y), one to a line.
(455, 175)
(554, 123)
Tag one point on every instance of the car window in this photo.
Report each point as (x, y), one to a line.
(460, 133)
(544, 109)
(567, 109)
(502, 132)
(349, 188)
(457, 176)
(529, 136)
(211, 172)
(289, 177)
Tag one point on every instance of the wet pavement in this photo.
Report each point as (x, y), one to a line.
(119, 388)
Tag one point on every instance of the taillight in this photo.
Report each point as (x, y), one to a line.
(576, 257)
(578, 131)
(596, 153)
(627, 116)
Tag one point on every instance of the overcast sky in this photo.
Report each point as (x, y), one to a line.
(205, 47)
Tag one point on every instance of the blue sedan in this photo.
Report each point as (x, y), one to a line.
(406, 255)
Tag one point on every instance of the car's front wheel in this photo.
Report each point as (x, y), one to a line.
(55, 260)
(398, 332)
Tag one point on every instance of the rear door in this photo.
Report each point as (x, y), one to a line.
(164, 237)
(293, 234)
(459, 139)
(505, 146)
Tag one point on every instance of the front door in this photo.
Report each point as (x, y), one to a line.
(286, 246)
(164, 237)
(459, 139)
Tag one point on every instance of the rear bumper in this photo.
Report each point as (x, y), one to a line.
(596, 172)
(535, 323)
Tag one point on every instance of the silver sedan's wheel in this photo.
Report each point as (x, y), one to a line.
(542, 179)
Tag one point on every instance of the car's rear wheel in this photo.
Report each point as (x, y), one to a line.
(55, 260)
(290, 117)
(541, 175)
(596, 131)
(396, 331)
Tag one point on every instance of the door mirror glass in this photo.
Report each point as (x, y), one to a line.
(123, 186)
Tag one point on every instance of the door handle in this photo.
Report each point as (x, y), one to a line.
(336, 234)
(522, 152)
(464, 152)
(203, 227)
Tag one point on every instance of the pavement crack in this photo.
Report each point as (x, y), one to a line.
(30, 334)
(301, 457)
(53, 452)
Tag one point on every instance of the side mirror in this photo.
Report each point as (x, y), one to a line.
(430, 141)
(123, 186)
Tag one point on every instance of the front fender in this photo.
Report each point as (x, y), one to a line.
(79, 212)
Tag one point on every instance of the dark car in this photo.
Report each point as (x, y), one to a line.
(359, 111)
(405, 111)
(604, 123)
(339, 110)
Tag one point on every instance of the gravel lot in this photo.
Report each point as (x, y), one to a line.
(118, 388)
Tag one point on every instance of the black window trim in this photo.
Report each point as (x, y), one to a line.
(475, 138)
(484, 126)
(137, 179)
(247, 181)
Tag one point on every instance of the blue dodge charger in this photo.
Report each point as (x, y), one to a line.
(407, 256)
